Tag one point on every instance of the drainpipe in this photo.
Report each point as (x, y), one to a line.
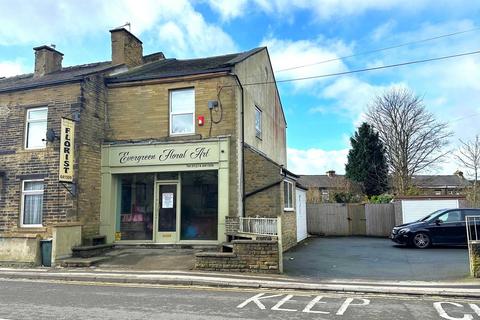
(242, 144)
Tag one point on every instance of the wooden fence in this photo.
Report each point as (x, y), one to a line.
(336, 219)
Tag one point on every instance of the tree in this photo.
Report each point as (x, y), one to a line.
(468, 154)
(413, 138)
(366, 162)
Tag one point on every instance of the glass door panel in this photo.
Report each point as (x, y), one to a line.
(167, 213)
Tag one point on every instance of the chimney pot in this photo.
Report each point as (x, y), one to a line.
(47, 60)
(126, 48)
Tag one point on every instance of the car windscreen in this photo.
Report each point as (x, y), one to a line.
(431, 215)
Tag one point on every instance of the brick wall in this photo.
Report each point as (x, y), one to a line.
(260, 256)
(91, 131)
(141, 112)
(19, 164)
(261, 172)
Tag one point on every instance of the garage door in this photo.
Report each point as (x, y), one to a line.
(413, 210)
(301, 214)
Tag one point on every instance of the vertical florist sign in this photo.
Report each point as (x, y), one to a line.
(67, 137)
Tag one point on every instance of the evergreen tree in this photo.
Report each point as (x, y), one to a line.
(367, 163)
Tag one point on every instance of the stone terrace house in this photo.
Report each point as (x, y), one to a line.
(441, 185)
(321, 188)
(164, 150)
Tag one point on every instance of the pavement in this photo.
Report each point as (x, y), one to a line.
(365, 265)
(229, 280)
(374, 259)
(37, 300)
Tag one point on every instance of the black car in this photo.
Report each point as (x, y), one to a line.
(442, 227)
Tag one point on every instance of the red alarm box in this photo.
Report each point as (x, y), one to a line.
(201, 120)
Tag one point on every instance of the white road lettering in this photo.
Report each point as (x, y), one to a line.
(475, 308)
(442, 313)
(256, 299)
(312, 303)
(281, 302)
(349, 302)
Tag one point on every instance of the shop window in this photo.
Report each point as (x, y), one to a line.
(135, 210)
(36, 128)
(199, 214)
(258, 122)
(288, 195)
(32, 203)
(182, 111)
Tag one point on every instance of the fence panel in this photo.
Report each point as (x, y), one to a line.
(329, 219)
(380, 219)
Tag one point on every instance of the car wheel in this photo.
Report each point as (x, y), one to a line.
(421, 240)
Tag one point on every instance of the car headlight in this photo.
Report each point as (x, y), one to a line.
(404, 230)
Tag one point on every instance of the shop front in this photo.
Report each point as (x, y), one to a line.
(165, 193)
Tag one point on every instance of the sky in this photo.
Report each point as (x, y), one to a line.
(322, 113)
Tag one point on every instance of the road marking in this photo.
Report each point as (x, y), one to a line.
(311, 304)
(348, 302)
(465, 316)
(281, 302)
(256, 299)
(308, 308)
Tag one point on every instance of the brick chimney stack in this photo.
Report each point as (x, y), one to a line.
(331, 173)
(126, 48)
(47, 60)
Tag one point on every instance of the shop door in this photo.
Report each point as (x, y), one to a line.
(167, 206)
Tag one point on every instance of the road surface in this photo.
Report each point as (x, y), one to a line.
(63, 300)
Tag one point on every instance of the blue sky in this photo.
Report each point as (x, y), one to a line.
(321, 113)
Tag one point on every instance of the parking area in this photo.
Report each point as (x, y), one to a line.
(374, 259)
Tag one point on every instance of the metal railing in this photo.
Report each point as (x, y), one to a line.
(260, 226)
(472, 223)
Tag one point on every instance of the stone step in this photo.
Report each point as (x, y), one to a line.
(81, 262)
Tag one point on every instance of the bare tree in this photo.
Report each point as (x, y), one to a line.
(412, 137)
(468, 154)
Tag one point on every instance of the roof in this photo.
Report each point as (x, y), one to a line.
(176, 67)
(322, 181)
(420, 181)
(67, 74)
(432, 181)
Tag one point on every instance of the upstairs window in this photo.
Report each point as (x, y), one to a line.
(288, 195)
(258, 122)
(36, 128)
(32, 203)
(182, 111)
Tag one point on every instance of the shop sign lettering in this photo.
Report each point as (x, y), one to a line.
(170, 155)
(67, 136)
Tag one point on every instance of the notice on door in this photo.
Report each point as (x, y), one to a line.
(167, 200)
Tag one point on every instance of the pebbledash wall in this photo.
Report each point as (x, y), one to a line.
(132, 117)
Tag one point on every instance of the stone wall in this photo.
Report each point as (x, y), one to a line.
(260, 256)
(141, 113)
(474, 251)
(18, 163)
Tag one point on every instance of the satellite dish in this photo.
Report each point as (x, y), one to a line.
(51, 135)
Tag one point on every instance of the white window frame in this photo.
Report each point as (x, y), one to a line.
(258, 131)
(30, 192)
(181, 113)
(27, 122)
(289, 186)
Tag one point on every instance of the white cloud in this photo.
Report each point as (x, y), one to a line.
(229, 9)
(47, 21)
(288, 54)
(316, 161)
(329, 9)
(11, 68)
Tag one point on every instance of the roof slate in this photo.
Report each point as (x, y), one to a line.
(422, 181)
(176, 67)
(65, 75)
